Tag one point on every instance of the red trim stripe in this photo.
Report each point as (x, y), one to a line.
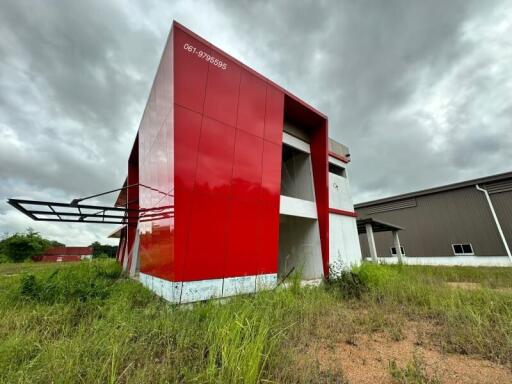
(339, 157)
(342, 212)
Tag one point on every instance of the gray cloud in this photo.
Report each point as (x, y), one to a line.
(420, 91)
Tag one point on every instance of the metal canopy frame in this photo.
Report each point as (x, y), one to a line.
(74, 212)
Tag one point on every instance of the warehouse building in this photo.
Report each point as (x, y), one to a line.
(466, 223)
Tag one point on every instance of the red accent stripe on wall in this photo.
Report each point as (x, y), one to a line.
(342, 212)
(339, 157)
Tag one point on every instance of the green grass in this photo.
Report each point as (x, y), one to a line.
(476, 321)
(85, 322)
(413, 373)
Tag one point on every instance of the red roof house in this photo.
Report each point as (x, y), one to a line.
(60, 254)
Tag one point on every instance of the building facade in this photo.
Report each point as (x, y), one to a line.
(234, 179)
(463, 223)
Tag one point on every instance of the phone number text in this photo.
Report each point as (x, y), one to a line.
(204, 55)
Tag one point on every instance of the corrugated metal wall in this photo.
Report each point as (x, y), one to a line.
(502, 203)
(442, 219)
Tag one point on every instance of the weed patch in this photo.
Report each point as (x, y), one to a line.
(413, 373)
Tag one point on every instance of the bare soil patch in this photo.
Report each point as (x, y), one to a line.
(463, 285)
(366, 358)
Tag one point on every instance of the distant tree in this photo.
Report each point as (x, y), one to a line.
(23, 246)
(103, 250)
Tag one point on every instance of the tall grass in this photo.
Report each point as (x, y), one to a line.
(85, 324)
(476, 321)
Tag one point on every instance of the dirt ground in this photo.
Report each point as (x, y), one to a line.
(366, 359)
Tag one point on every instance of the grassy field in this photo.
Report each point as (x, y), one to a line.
(87, 323)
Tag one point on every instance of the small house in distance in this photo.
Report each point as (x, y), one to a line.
(65, 254)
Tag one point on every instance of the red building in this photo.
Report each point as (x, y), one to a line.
(232, 183)
(63, 254)
(230, 175)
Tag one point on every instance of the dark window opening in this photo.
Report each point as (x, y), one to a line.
(393, 251)
(337, 170)
(462, 249)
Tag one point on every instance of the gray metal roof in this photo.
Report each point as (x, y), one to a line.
(377, 225)
(444, 188)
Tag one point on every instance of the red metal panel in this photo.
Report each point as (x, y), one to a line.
(274, 115)
(215, 161)
(342, 212)
(222, 90)
(156, 165)
(247, 166)
(132, 196)
(207, 241)
(271, 177)
(319, 161)
(190, 71)
(187, 128)
(339, 157)
(251, 104)
(227, 180)
(268, 237)
(186, 135)
(243, 230)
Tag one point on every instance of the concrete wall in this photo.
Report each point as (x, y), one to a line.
(344, 249)
(344, 241)
(296, 174)
(340, 196)
(299, 247)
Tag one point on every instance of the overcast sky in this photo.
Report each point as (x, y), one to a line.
(421, 91)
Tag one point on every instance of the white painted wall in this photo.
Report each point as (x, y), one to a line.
(297, 207)
(340, 196)
(472, 261)
(344, 246)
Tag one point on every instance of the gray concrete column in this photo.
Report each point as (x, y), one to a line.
(134, 267)
(371, 242)
(398, 248)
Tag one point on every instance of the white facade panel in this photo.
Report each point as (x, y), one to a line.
(296, 143)
(297, 207)
(344, 248)
(340, 196)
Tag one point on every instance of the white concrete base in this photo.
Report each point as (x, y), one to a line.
(239, 285)
(266, 282)
(471, 261)
(192, 291)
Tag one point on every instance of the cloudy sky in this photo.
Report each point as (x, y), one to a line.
(421, 91)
